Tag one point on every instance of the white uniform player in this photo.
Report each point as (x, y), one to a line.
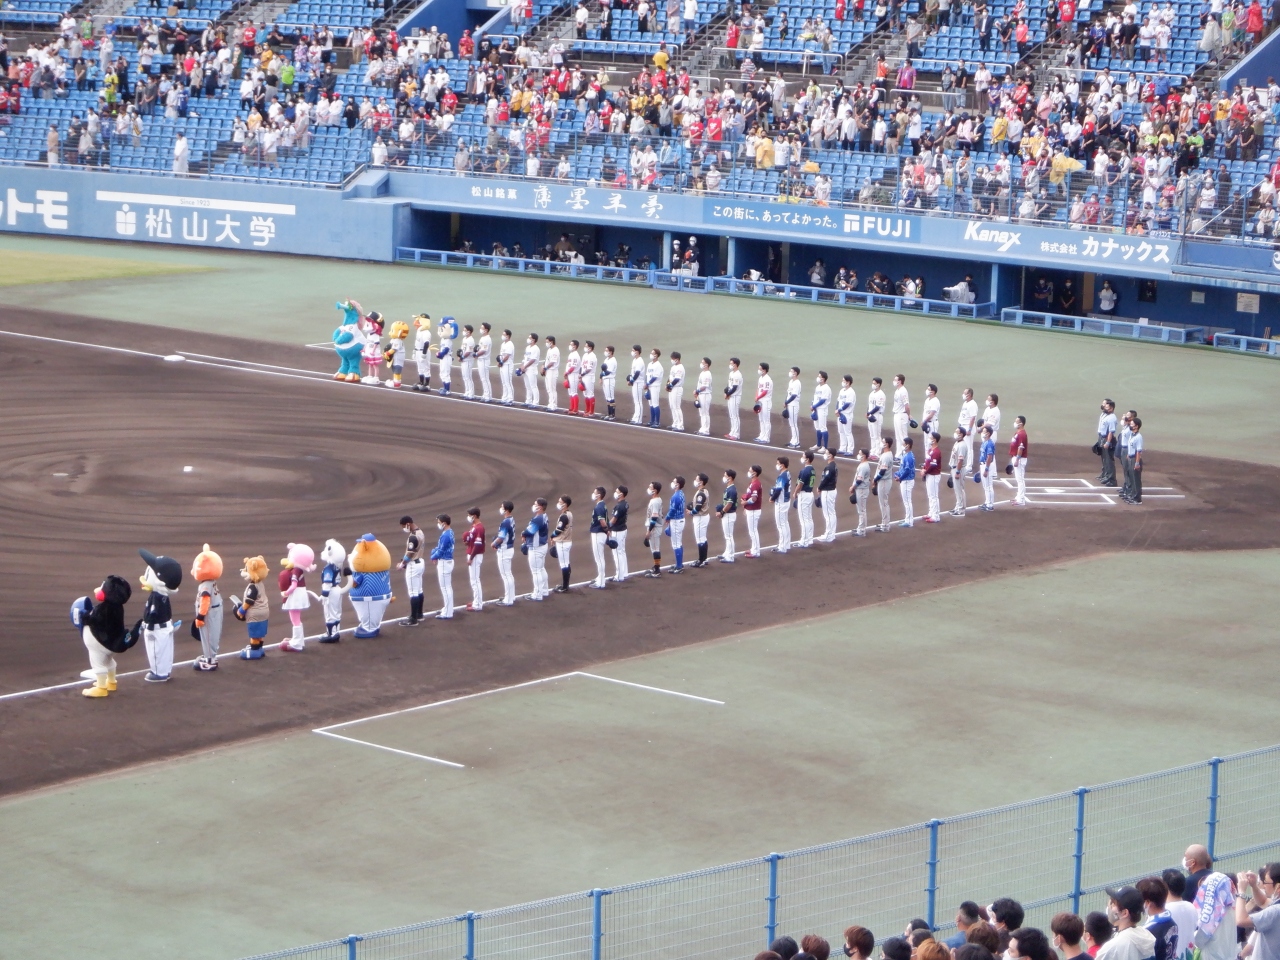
(528, 371)
(675, 395)
(733, 399)
(764, 401)
(653, 384)
(422, 351)
(468, 360)
(573, 376)
(702, 397)
(791, 407)
(846, 400)
(819, 410)
(551, 372)
(484, 355)
(609, 383)
(506, 368)
(959, 464)
(589, 372)
(991, 417)
(968, 422)
(504, 548)
(875, 414)
(931, 422)
(901, 413)
(636, 379)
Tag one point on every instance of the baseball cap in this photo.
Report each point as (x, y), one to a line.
(1127, 899)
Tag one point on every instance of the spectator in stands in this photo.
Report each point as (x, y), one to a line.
(181, 155)
(859, 943)
(985, 935)
(1198, 864)
(1028, 943)
(1159, 923)
(1068, 931)
(785, 947)
(967, 915)
(1131, 941)
(1184, 914)
(895, 948)
(1261, 910)
(1097, 931)
(1005, 914)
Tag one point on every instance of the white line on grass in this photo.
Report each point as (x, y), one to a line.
(643, 686)
(404, 753)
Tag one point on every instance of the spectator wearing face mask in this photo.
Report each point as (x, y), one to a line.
(1132, 941)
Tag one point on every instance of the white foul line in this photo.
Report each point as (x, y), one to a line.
(96, 346)
(642, 686)
(404, 753)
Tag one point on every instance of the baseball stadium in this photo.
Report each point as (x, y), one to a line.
(490, 497)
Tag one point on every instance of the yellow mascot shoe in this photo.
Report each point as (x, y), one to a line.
(111, 682)
(99, 689)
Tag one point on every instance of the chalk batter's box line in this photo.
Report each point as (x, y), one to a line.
(329, 730)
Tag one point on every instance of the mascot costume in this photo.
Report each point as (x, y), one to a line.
(254, 608)
(348, 342)
(161, 580)
(334, 582)
(102, 628)
(370, 563)
(207, 626)
(293, 591)
(394, 354)
(373, 347)
(447, 332)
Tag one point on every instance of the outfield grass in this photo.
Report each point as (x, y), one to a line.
(27, 268)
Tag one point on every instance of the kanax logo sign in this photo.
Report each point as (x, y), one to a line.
(1004, 239)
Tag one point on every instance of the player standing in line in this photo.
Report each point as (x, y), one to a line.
(1136, 443)
(764, 402)
(702, 397)
(727, 511)
(413, 565)
(875, 414)
(675, 392)
(860, 492)
(675, 522)
(504, 548)
(635, 380)
(653, 387)
(468, 360)
(883, 483)
(933, 478)
(901, 412)
(959, 473)
(422, 351)
(599, 535)
(991, 418)
(551, 372)
(590, 371)
(473, 540)
(618, 530)
(827, 495)
(562, 541)
(968, 422)
(652, 528)
(806, 484)
(1106, 444)
(780, 494)
(791, 407)
(609, 383)
(906, 477)
(818, 412)
(845, 402)
(442, 557)
(733, 399)
(1018, 459)
(931, 422)
(484, 353)
(534, 546)
(506, 368)
(700, 510)
(573, 376)
(987, 468)
(752, 502)
(528, 371)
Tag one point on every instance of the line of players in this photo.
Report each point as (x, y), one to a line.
(579, 372)
(611, 524)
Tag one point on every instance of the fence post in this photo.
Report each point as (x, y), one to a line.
(470, 918)
(932, 889)
(1212, 822)
(597, 921)
(1079, 854)
(771, 928)
(351, 945)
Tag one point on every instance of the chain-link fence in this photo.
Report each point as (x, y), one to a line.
(1055, 853)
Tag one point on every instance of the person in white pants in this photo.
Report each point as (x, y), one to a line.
(827, 494)
(752, 502)
(791, 407)
(675, 392)
(674, 525)
(819, 410)
(727, 511)
(590, 370)
(484, 355)
(562, 542)
(860, 491)
(618, 533)
(959, 473)
(473, 541)
(573, 377)
(468, 360)
(883, 484)
(932, 478)
(609, 383)
(413, 566)
(599, 535)
(991, 416)
(551, 372)
(442, 557)
(780, 494)
(528, 370)
(504, 549)
(875, 414)
(703, 397)
(987, 468)
(733, 399)
(764, 402)
(635, 379)
(803, 497)
(1018, 459)
(534, 547)
(901, 412)
(968, 422)
(506, 368)
(906, 477)
(700, 512)
(845, 402)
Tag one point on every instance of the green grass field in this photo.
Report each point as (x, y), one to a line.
(20, 267)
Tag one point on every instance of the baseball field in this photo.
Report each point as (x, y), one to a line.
(600, 737)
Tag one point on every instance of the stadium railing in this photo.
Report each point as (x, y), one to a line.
(1229, 341)
(684, 282)
(1105, 327)
(1053, 854)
